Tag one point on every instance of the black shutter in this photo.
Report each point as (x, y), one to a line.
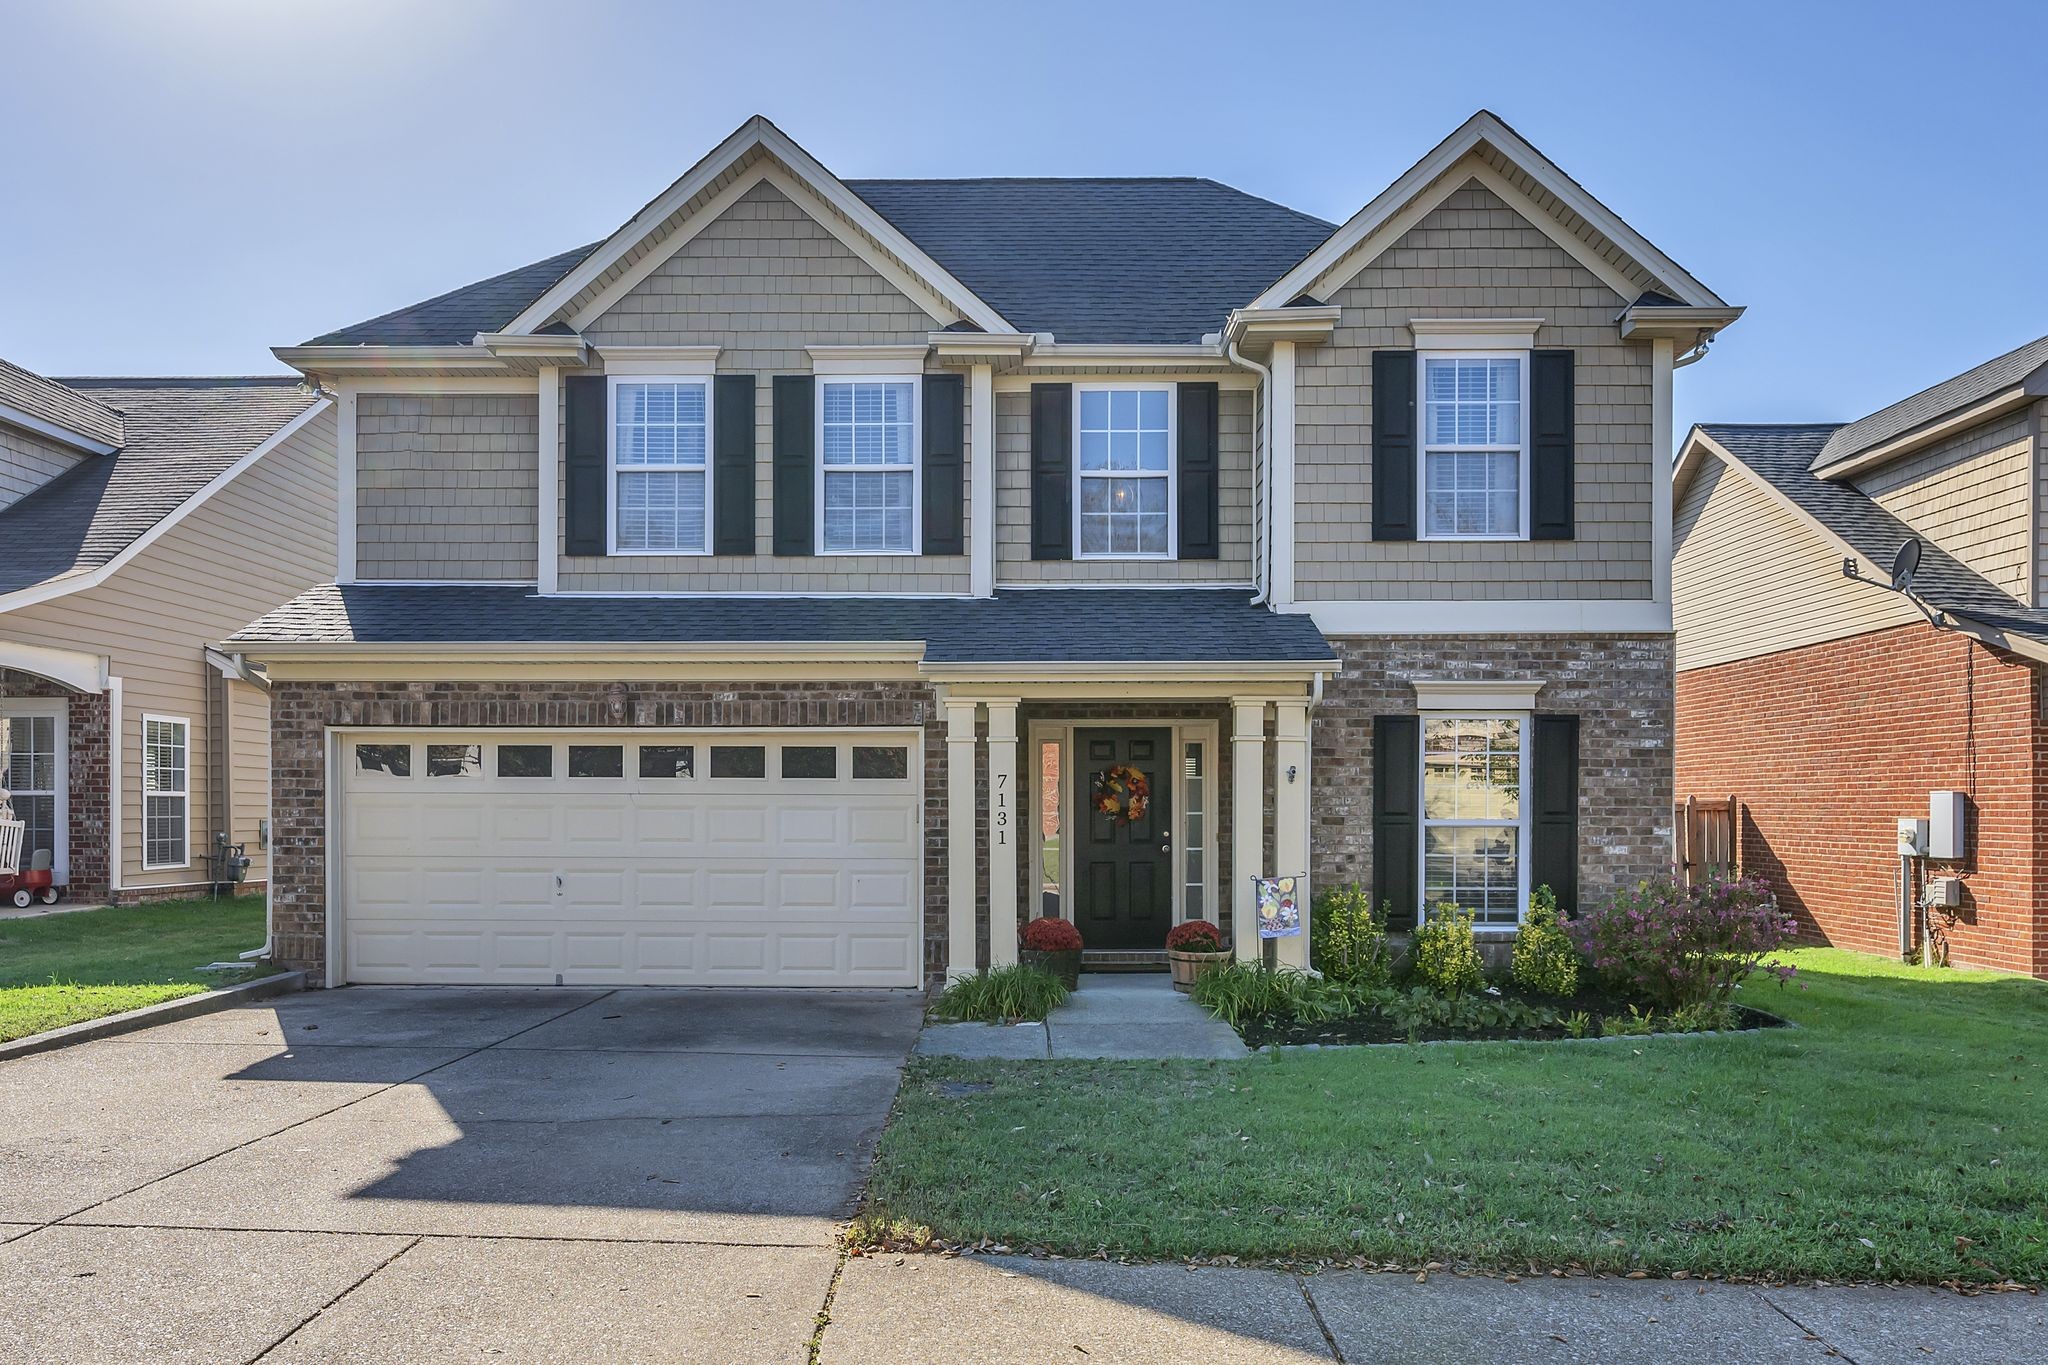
(1200, 535)
(945, 468)
(796, 486)
(732, 462)
(1052, 471)
(1393, 445)
(1550, 445)
(583, 485)
(1396, 817)
(1554, 808)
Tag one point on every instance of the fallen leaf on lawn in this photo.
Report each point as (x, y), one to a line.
(1867, 1242)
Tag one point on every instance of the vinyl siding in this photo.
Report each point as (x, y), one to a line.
(28, 461)
(1014, 563)
(1748, 578)
(763, 282)
(249, 772)
(2040, 530)
(266, 537)
(1972, 495)
(1473, 256)
(447, 486)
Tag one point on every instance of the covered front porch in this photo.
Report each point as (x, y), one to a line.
(1125, 807)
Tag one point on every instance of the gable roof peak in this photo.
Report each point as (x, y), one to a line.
(2018, 376)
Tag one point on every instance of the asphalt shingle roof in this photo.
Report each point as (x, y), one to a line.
(1116, 260)
(1077, 625)
(1784, 456)
(181, 434)
(28, 392)
(1950, 395)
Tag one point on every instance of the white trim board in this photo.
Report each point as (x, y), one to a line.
(78, 582)
(54, 431)
(1591, 616)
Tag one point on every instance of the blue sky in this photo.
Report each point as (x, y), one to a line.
(192, 183)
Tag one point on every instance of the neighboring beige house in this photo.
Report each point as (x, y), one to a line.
(713, 601)
(141, 521)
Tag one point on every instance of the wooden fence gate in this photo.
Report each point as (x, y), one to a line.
(1705, 834)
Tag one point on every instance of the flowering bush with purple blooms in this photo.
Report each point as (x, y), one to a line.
(1683, 946)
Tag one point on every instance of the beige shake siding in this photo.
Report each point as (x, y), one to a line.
(1971, 494)
(1473, 256)
(446, 486)
(261, 540)
(1748, 578)
(763, 282)
(28, 461)
(2040, 500)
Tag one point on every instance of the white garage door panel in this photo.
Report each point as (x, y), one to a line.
(631, 881)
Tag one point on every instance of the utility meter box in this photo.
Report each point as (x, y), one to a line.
(1945, 893)
(1945, 811)
(1912, 838)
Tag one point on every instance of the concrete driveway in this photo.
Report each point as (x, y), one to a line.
(386, 1173)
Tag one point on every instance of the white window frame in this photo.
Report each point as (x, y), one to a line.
(611, 459)
(1423, 449)
(819, 467)
(1171, 476)
(34, 708)
(185, 722)
(1525, 721)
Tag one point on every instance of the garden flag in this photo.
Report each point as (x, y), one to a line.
(1279, 910)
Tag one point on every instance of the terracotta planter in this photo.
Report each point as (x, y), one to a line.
(1066, 966)
(1188, 966)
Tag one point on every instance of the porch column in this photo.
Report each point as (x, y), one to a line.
(1002, 832)
(1247, 823)
(960, 838)
(1290, 816)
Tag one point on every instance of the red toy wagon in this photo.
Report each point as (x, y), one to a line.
(24, 888)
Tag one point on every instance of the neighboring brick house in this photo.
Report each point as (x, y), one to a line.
(143, 521)
(1831, 708)
(762, 595)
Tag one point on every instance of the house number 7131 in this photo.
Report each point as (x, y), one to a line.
(1002, 810)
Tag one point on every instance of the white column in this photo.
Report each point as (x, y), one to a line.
(1247, 823)
(1003, 832)
(960, 838)
(345, 484)
(981, 480)
(1660, 473)
(1290, 815)
(1281, 589)
(117, 787)
(549, 504)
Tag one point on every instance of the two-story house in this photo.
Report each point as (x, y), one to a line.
(1831, 708)
(141, 522)
(814, 578)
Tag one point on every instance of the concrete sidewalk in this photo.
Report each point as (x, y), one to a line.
(1003, 1310)
(1114, 1015)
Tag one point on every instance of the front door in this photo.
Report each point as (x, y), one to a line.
(1123, 868)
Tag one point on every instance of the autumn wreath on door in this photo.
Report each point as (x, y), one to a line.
(1122, 794)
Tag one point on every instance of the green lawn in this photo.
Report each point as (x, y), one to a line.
(1901, 1132)
(64, 969)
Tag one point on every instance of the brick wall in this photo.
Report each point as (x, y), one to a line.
(1827, 746)
(86, 794)
(300, 713)
(1618, 686)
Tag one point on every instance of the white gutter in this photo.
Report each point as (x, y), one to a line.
(1261, 572)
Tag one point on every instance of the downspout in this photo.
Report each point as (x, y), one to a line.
(1261, 572)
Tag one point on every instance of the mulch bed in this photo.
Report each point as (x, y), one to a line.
(1287, 1031)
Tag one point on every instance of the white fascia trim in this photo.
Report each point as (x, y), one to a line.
(1049, 354)
(2024, 646)
(980, 345)
(1495, 695)
(596, 594)
(1484, 127)
(1309, 322)
(1644, 321)
(1997, 405)
(1474, 334)
(1662, 503)
(590, 651)
(445, 582)
(62, 587)
(63, 435)
(568, 350)
(876, 360)
(757, 132)
(1227, 378)
(1542, 616)
(1699, 441)
(1189, 585)
(75, 669)
(235, 666)
(384, 359)
(1152, 670)
(660, 360)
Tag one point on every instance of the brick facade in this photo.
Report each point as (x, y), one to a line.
(1618, 686)
(86, 795)
(1825, 747)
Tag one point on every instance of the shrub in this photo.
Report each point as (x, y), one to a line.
(1544, 959)
(1446, 954)
(1195, 936)
(1000, 995)
(1677, 945)
(1051, 934)
(1346, 941)
(1422, 1010)
(1237, 991)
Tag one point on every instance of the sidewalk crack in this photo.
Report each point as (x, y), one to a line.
(346, 1290)
(1811, 1335)
(824, 1319)
(1314, 1311)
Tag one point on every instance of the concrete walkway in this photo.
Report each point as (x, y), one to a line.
(1121, 1015)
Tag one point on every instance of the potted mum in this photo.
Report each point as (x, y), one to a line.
(1053, 945)
(1193, 948)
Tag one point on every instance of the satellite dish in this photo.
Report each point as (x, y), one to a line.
(1904, 565)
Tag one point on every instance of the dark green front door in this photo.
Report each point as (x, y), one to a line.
(1123, 871)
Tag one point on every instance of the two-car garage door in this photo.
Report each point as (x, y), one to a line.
(643, 858)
